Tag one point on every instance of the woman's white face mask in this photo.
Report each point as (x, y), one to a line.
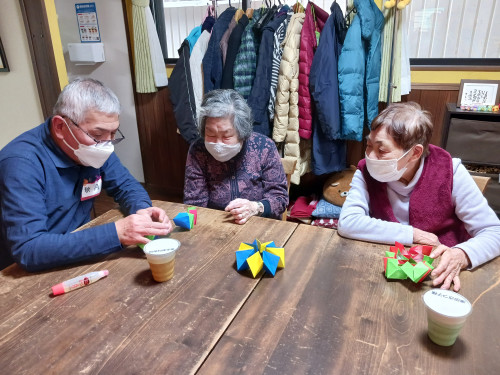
(386, 170)
(91, 156)
(223, 152)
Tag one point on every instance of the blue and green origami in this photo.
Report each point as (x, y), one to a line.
(257, 256)
(186, 220)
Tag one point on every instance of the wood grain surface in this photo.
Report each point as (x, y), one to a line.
(127, 323)
(332, 311)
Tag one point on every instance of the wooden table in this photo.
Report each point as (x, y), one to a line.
(330, 311)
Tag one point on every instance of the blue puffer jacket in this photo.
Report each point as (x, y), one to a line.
(359, 70)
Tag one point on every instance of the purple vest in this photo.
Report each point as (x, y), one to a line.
(431, 204)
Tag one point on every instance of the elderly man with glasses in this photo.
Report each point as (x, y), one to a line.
(50, 175)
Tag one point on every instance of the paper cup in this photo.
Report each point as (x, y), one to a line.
(447, 312)
(161, 257)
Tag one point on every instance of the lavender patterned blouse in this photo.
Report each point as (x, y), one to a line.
(255, 173)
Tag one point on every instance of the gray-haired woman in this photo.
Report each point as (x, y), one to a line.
(409, 191)
(230, 167)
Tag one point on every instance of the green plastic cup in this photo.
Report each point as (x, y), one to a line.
(447, 312)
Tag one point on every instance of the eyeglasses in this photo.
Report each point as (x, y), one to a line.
(113, 141)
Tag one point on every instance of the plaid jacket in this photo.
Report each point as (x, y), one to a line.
(246, 60)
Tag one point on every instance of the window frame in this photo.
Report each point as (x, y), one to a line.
(456, 63)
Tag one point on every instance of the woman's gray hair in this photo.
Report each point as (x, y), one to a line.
(407, 123)
(226, 104)
(84, 95)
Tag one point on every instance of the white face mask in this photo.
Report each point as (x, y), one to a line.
(91, 156)
(385, 170)
(223, 152)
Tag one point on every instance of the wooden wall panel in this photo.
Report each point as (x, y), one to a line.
(435, 102)
(163, 150)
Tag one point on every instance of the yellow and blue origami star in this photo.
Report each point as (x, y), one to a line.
(258, 255)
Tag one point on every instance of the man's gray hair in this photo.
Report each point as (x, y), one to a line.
(84, 95)
(226, 104)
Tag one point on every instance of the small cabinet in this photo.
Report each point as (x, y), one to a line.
(474, 137)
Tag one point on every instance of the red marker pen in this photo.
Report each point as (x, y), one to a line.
(78, 282)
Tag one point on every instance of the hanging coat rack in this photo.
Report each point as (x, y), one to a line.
(214, 5)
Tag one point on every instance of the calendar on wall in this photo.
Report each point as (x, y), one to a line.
(478, 92)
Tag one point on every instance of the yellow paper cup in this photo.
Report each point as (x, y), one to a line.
(160, 254)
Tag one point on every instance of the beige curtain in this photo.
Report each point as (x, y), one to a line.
(144, 77)
(387, 42)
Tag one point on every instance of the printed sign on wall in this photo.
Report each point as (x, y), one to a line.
(88, 25)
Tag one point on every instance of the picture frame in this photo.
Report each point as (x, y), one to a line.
(478, 92)
(4, 65)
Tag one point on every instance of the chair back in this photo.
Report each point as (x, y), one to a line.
(481, 182)
(289, 167)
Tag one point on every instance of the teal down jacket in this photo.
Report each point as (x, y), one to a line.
(359, 70)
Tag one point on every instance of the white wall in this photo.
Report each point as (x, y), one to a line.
(19, 103)
(114, 73)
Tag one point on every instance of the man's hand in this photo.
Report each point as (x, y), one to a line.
(242, 210)
(452, 261)
(132, 229)
(156, 214)
(425, 238)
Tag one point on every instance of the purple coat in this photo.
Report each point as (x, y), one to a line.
(256, 174)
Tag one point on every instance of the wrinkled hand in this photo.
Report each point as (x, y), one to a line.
(132, 229)
(242, 210)
(156, 214)
(452, 261)
(425, 238)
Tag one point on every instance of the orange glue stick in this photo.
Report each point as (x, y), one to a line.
(78, 282)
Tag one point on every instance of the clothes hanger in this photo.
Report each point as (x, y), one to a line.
(298, 7)
(249, 11)
(348, 18)
(238, 14)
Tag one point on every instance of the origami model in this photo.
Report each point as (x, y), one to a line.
(186, 220)
(258, 255)
(414, 263)
(141, 245)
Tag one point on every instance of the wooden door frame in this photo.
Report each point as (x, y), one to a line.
(39, 39)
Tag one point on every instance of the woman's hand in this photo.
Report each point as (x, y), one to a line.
(242, 210)
(425, 238)
(452, 261)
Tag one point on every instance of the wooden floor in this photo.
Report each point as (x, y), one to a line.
(104, 202)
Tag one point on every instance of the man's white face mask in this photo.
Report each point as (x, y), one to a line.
(91, 156)
(223, 152)
(386, 170)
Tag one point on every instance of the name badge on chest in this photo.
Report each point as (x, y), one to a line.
(91, 189)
